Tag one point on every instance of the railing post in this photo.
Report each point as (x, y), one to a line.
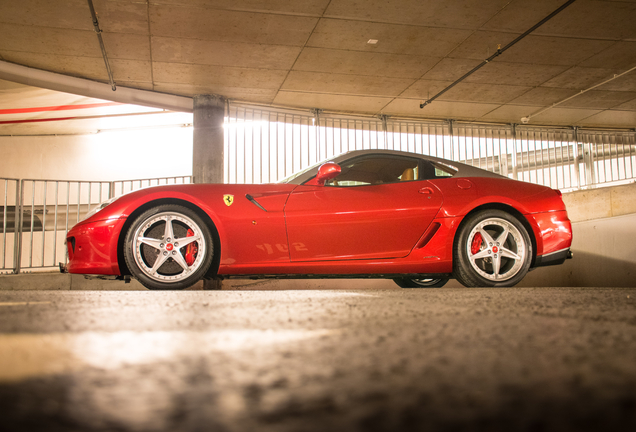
(316, 123)
(514, 151)
(17, 244)
(503, 158)
(575, 151)
(452, 139)
(588, 162)
(385, 130)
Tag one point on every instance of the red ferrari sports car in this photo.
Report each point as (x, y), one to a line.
(416, 219)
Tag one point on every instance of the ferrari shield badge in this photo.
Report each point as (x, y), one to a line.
(228, 200)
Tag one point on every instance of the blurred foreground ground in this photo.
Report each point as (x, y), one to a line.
(450, 359)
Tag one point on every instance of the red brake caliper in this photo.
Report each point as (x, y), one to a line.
(191, 250)
(475, 246)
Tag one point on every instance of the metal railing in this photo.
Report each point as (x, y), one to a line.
(265, 145)
(38, 213)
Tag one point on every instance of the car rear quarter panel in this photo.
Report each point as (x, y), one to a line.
(541, 206)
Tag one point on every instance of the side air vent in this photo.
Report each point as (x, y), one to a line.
(428, 235)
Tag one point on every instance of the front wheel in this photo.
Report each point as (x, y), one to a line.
(168, 247)
(492, 249)
(420, 283)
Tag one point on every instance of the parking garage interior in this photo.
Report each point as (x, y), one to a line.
(102, 97)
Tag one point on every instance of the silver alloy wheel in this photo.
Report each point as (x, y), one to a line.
(159, 245)
(500, 254)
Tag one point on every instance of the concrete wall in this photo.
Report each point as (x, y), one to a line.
(601, 203)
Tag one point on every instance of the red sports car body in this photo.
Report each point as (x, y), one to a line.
(416, 219)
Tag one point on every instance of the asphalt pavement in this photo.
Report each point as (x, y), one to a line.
(450, 359)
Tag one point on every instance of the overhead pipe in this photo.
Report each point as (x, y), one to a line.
(80, 86)
(101, 44)
(498, 52)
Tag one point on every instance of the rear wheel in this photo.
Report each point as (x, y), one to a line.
(420, 283)
(168, 247)
(492, 249)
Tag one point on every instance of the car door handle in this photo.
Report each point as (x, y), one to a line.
(426, 191)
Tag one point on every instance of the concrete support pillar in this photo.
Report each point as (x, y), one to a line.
(207, 149)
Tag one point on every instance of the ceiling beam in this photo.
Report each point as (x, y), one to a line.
(94, 89)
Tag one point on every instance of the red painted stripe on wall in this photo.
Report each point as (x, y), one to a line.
(101, 116)
(37, 120)
(57, 108)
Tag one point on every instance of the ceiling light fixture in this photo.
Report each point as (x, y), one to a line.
(372, 41)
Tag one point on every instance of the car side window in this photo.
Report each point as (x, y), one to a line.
(430, 171)
(374, 170)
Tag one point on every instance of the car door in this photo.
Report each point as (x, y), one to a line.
(377, 208)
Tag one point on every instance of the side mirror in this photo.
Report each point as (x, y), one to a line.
(326, 172)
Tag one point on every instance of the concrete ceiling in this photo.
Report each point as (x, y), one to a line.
(315, 53)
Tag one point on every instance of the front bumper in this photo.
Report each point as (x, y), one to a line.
(92, 247)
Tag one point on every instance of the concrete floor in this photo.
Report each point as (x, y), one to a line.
(450, 359)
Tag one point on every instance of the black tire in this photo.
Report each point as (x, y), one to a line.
(420, 283)
(162, 263)
(492, 249)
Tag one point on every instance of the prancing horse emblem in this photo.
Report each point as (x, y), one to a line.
(228, 199)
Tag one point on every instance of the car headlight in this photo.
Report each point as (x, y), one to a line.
(99, 207)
